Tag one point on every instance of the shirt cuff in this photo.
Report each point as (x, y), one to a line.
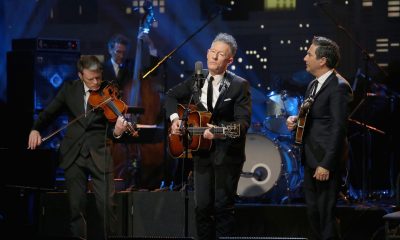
(173, 116)
(117, 137)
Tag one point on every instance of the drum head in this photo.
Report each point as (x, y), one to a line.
(262, 167)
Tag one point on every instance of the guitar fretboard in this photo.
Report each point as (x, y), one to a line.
(200, 130)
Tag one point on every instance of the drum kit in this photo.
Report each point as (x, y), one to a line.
(272, 168)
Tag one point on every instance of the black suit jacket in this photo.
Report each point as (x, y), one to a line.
(233, 106)
(325, 141)
(88, 135)
(126, 72)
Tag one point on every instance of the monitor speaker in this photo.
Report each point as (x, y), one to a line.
(33, 80)
(161, 214)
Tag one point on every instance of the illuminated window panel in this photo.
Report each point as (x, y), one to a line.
(157, 5)
(382, 45)
(279, 4)
(394, 8)
(367, 3)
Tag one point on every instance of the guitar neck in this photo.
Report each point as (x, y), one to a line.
(200, 130)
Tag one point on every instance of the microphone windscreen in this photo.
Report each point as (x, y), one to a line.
(198, 67)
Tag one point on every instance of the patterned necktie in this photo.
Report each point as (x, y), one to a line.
(314, 87)
(210, 95)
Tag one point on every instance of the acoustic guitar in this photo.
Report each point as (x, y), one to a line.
(196, 125)
(301, 120)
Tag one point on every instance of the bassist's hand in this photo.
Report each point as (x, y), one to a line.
(34, 139)
(291, 122)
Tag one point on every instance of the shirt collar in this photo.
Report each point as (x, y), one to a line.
(114, 63)
(85, 87)
(217, 78)
(324, 76)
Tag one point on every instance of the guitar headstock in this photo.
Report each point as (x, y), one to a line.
(232, 130)
(305, 106)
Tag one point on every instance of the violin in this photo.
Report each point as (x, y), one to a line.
(108, 99)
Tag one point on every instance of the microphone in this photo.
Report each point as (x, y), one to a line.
(198, 74)
(198, 68)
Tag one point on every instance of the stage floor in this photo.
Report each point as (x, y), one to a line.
(35, 214)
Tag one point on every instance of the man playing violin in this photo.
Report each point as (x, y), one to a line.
(85, 148)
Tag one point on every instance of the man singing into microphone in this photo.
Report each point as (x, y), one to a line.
(216, 172)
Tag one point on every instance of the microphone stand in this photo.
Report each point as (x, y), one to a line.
(186, 139)
(367, 59)
(185, 113)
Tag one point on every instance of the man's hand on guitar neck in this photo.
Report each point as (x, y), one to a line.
(291, 122)
(209, 135)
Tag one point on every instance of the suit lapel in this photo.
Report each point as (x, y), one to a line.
(325, 83)
(225, 84)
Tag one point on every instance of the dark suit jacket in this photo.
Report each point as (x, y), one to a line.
(325, 141)
(125, 74)
(233, 106)
(81, 137)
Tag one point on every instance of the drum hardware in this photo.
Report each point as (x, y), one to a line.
(278, 107)
(366, 157)
(270, 168)
(260, 174)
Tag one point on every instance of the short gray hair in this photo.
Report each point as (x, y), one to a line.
(228, 39)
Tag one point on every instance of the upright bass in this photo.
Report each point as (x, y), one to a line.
(145, 93)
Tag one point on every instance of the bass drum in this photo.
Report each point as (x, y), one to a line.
(271, 169)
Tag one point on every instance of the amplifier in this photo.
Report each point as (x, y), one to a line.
(46, 44)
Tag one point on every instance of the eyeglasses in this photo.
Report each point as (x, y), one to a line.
(218, 53)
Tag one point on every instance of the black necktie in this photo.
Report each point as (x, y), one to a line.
(210, 94)
(86, 100)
